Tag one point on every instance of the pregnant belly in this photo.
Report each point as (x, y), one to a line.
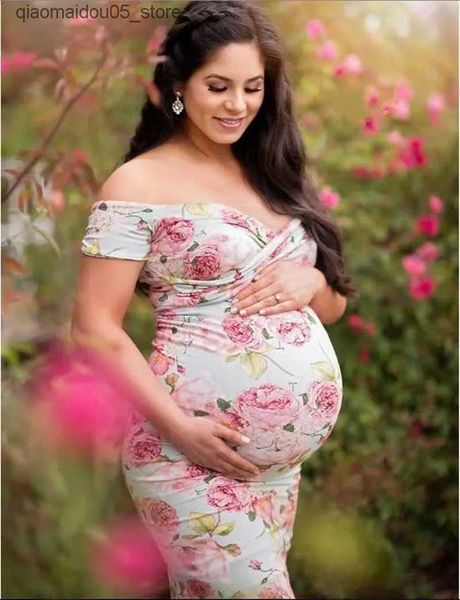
(274, 378)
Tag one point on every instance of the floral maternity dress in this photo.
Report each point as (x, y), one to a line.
(274, 378)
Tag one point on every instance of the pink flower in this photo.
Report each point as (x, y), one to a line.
(315, 29)
(156, 39)
(427, 252)
(422, 288)
(372, 96)
(403, 91)
(144, 447)
(356, 322)
(435, 105)
(413, 265)
(195, 588)
(18, 61)
(400, 109)
(126, 557)
(226, 494)
(395, 138)
(199, 555)
(268, 406)
(339, 71)
(159, 515)
(205, 261)
(255, 564)
(327, 51)
(352, 64)
(413, 154)
(329, 198)
(428, 224)
(371, 125)
(82, 397)
(160, 363)
(173, 235)
(325, 397)
(436, 204)
(364, 355)
(264, 505)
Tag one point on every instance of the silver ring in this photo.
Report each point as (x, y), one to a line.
(277, 297)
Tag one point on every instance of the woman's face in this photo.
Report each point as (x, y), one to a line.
(229, 86)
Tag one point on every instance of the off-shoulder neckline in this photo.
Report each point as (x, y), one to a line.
(220, 204)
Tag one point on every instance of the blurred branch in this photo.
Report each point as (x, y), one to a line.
(66, 109)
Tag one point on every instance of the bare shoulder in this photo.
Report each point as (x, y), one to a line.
(141, 179)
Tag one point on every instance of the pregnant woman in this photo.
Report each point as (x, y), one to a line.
(213, 217)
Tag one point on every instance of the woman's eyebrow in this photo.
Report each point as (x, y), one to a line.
(227, 79)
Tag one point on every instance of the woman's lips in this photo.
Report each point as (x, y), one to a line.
(229, 123)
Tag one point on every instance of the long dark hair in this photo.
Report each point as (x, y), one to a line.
(271, 150)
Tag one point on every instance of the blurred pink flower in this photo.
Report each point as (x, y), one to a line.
(436, 204)
(400, 109)
(370, 328)
(327, 51)
(395, 138)
(156, 39)
(126, 557)
(82, 397)
(356, 322)
(414, 265)
(403, 91)
(364, 355)
(315, 29)
(352, 64)
(58, 200)
(412, 154)
(428, 252)
(371, 96)
(428, 224)
(436, 106)
(421, 288)
(339, 71)
(17, 61)
(370, 125)
(80, 156)
(329, 198)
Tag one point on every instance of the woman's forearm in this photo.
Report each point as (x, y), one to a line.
(328, 304)
(147, 394)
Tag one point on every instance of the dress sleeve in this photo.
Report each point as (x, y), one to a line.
(118, 230)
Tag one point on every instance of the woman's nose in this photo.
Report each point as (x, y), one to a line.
(236, 103)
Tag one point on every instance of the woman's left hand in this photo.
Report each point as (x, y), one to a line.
(295, 284)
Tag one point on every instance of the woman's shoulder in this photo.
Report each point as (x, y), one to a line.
(146, 173)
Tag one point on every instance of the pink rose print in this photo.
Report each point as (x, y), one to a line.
(143, 448)
(226, 494)
(201, 555)
(238, 330)
(194, 588)
(159, 362)
(264, 506)
(173, 235)
(194, 393)
(205, 262)
(290, 328)
(235, 218)
(275, 591)
(255, 564)
(158, 514)
(267, 406)
(325, 396)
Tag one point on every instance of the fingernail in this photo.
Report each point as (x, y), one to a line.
(245, 439)
(243, 311)
(233, 310)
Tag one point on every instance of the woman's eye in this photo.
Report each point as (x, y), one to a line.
(214, 89)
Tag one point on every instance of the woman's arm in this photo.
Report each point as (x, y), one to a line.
(328, 304)
(104, 292)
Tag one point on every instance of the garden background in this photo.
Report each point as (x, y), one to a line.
(376, 98)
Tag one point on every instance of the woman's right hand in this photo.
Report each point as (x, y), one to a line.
(201, 439)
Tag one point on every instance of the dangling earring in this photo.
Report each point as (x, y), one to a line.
(177, 105)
